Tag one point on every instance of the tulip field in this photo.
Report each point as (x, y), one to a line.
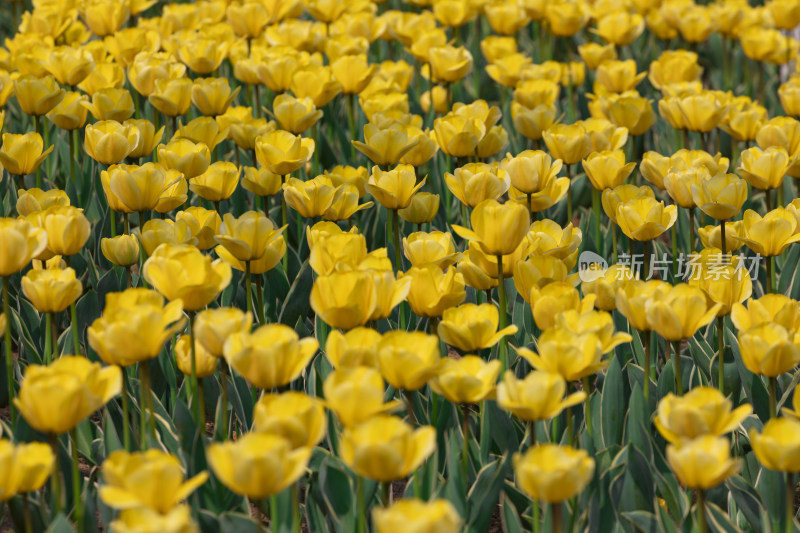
(399, 266)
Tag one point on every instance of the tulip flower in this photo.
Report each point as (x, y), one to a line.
(148, 137)
(470, 327)
(143, 519)
(402, 448)
(283, 153)
(297, 417)
(770, 308)
(37, 96)
(25, 467)
(111, 104)
(540, 396)
(171, 96)
(617, 77)
(466, 380)
(408, 360)
(70, 113)
(776, 446)
(475, 182)
(423, 208)
(217, 183)
(109, 142)
(315, 82)
(205, 364)
(190, 158)
(435, 515)
(435, 248)
(531, 170)
(158, 231)
(356, 394)
(67, 229)
(386, 146)
(295, 114)
(553, 473)
(51, 290)
(212, 96)
(702, 411)
(357, 347)
(533, 122)
(22, 154)
(34, 200)
(643, 218)
(152, 479)
(764, 169)
(458, 136)
(702, 463)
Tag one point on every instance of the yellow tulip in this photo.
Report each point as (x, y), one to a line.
(148, 137)
(417, 515)
(470, 327)
(34, 200)
(109, 142)
(144, 520)
(137, 188)
(764, 169)
(449, 64)
(248, 237)
(21, 242)
(769, 349)
(553, 473)
(386, 146)
(37, 96)
(466, 380)
(643, 218)
(701, 411)
(22, 154)
(25, 467)
(458, 136)
(475, 182)
(384, 448)
(295, 416)
(720, 197)
(710, 236)
(357, 347)
(776, 447)
(356, 394)
(423, 208)
(55, 399)
(67, 229)
(70, 113)
(702, 463)
(217, 183)
(181, 271)
(205, 364)
(283, 153)
(353, 72)
(770, 308)
(189, 158)
(158, 231)
(620, 28)
(104, 76)
(212, 96)
(128, 315)
(295, 114)
(530, 171)
(171, 96)
(213, 326)
(436, 248)
(607, 169)
(261, 181)
(203, 224)
(104, 17)
(570, 143)
(408, 360)
(202, 55)
(111, 104)
(539, 396)
(617, 77)
(771, 234)
(312, 198)
(202, 130)
(566, 18)
(678, 313)
(51, 290)
(498, 228)
(563, 352)
(632, 299)
(394, 189)
(315, 82)
(432, 290)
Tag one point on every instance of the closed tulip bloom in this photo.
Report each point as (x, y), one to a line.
(205, 364)
(144, 520)
(458, 136)
(433, 291)
(789, 94)
(394, 189)
(37, 96)
(408, 360)
(51, 290)
(247, 237)
(153, 479)
(422, 209)
(570, 355)
(310, 198)
(213, 326)
(680, 312)
(720, 197)
(607, 169)
(770, 308)
(617, 77)
(356, 394)
(104, 17)
(212, 96)
(34, 200)
(138, 188)
(148, 137)
(283, 153)
(553, 473)
(54, 399)
(158, 231)
(181, 271)
(530, 171)
(122, 250)
(498, 228)
(344, 203)
(764, 169)
(353, 72)
(315, 82)
(644, 218)
(586, 320)
(357, 347)
(466, 380)
(606, 285)
(702, 463)
(25, 467)
(70, 113)
(701, 112)
(129, 315)
(539, 396)
(417, 515)
(203, 224)
(295, 416)
(475, 182)
(632, 299)
(701, 411)
(67, 229)
(532, 123)
(104, 76)
(538, 271)
(21, 242)
(449, 64)
(172, 97)
(185, 156)
(620, 28)
(389, 291)
(22, 154)
(248, 20)
(217, 183)
(570, 143)
(771, 234)
(344, 299)
(436, 248)
(384, 448)
(386, 146)
(109, 142)
(270, 357)
(535, 92)
(295, 114)
(470, 327)
(710, 236)
(679, 181)
(111, 104)
(261, 181)
(566, 18)
(202, 55)
(776, 447)
(769, 349)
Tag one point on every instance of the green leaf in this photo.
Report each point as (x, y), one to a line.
(296, 303)
(237, 523)
(513, 523)
(483, 496)
(613, 404)
(60, 524)
(748, 500)
(336, 488)
(644, 521)
(718, 520)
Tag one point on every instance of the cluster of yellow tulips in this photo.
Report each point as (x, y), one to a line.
(355, 265)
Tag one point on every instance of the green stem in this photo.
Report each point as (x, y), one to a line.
(773, 396)
(701, 511)
(248, 290)
(77, 481)
(144, 368)
(284, 222)
(38, 127)
(55, 477)
(773, 285)
(48, 338)
(26, 511)
(691, 229)
(587, 405)
(674, 231)
(224, 397)
(789, 502)
(260, 300)
(676, 361)
(273, 513)
(721, 347)
(361, 520)
(398, 256)
(465, 216)
(558, 520)
(72, 163)
(126, 430)
(408, 396)
(722, 239)
(465, 446)
(351, 124)
(76, 343)
(501, 290)
(769, 275)
(9, 356)
(296, 521)
(195, 384)
(646, 246)
(648, 350)
(569, 193)
(596, 209)
(614, 241)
